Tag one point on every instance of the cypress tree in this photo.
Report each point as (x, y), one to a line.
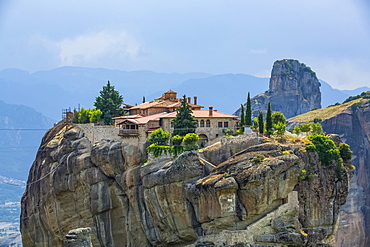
(269, 120)
(242, 118)
(184, 122)
(109, 102)
(248, 112)
(260, 122)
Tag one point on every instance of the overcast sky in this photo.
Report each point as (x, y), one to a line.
(213, 36)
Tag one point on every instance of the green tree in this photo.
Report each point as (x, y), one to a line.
(184, 122)
(109, 102)
(269, 129)
(248, 112)
(278, 117)
(345, 152)
(159, 136)
(255, 123)
(261, 125)
(94, 115)
(242, 117)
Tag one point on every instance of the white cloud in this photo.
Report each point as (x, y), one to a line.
(91, 47)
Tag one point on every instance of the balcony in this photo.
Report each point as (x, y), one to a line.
(128, 132)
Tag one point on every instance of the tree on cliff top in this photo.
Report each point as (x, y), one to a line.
(184, 122)
(248, 112)
(109, 102)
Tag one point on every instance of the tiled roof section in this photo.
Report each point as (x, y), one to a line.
(144, 120)
(127, 117)
(204, 114)
(162, 104)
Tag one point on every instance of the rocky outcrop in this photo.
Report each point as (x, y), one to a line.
(248, 198)
(351, 121)
(353, 125)
(294, 89)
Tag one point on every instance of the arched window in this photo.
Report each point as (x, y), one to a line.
(208, 123)
(201, 123)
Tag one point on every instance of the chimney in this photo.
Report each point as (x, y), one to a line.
(195, 100)
(211, 111)
(189, 100)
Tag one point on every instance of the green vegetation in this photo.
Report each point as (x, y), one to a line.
(325, 147)
(363, 95)
(87, 116)
(305, 175)
(261, 124)
(312, 128)
(228, 132)
(269, 129)
(345, 152)
(158, 149)
(184, 122)
(278, 117)
(109, 102)
(255, 123)
(226, 175)
(280, 128)
(159, 136)
(248, 112)
(242, 115)
(258, 158)
(286, 152)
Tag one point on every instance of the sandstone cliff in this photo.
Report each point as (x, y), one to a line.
(351, 121)
(294, 89)
(180, 202)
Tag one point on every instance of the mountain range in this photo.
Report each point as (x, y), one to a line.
(51, 91)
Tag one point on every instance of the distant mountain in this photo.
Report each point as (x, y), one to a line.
(224, 92)
(51, 91)
(21, 130)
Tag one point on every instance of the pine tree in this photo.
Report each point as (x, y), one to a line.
(248, 112)
(260, 122)
(269, 129)
(242, 117)
(184, 122)
(109, 102)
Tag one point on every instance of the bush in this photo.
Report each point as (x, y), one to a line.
(325, 147)
(306, 127)
(278, 117)
(190, 139)
(177, 140)
(159, 136)
(286, 152)
(280, 128)
(297, 129)
(316, 128)
(191, 147)
(345, 152)
(228, 131)
(258, 158)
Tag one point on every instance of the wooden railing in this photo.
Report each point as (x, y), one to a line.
(128, 132)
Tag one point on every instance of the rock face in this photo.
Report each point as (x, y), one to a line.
(294, 89)
(353, 125)
(246, 199)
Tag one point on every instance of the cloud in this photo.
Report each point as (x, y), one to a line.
(92, 48)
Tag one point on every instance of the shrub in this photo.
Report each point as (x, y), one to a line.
(159, 136)
(345, 152)
(228, 131)
(280, 128)
(177, 140)
(158, 150)
(325, 147)
(258, 158)
(240, 131)
(190, 139)
(278, 117)
(297, 129)
(316, 128)
(226, 175)
(286, 152)
(306, 127)
(191, 147)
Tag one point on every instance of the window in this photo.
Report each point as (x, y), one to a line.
(172, 124)
(226, 124)
(197, 124)
(208, 123)
(220, 124)
(201, 123)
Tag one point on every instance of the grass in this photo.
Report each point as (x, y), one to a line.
(324, 113)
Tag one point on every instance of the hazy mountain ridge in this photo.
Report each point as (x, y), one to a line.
(51, 91)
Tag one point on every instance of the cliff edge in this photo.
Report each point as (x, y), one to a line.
(257, 194)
